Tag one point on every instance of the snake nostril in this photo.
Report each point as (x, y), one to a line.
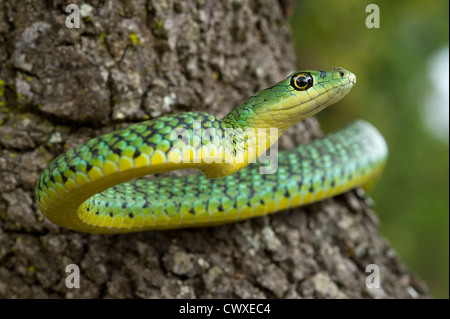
(341, 73)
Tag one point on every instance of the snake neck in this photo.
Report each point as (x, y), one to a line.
(251, 137)
(246, 119)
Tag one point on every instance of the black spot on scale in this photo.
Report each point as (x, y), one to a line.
(323, 74)
(130, 215)
(88, 167)
(111, 214)
(124, 205)
(139, 135)
(136, 153)
(311, 189)
(116, 151)
(117, 137)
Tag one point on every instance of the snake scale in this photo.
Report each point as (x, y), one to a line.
(97, 187)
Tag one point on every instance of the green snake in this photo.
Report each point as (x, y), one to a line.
(97, 187)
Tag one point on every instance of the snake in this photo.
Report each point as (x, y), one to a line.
(102, 186)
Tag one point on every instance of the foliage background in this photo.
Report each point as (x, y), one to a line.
(391, 64)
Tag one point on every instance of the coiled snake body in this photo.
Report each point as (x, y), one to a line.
(88, 188)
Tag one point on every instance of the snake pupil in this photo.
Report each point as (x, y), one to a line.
(302, 81)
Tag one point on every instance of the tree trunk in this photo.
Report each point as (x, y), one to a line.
(134, 60)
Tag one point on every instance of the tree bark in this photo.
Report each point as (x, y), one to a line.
(135, 60)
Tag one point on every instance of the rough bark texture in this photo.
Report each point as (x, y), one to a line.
(134, 60)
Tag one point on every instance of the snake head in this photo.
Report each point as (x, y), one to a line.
(299, 96)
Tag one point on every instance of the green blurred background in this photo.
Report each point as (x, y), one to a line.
(402, 88)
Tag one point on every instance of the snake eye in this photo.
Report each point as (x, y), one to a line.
(302, 81)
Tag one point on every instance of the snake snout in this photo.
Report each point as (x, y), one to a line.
(343, 74)
(352, 78)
